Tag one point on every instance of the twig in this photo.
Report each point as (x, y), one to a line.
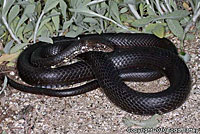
(37, 27)
(164, 8)
(133, 10)
(168, 6)
(102, 25)
(197, 8)
(148, 3)
(10, 31)
(197, 14)
(106, 18)
(192, 22)
(175, 5)
(101, 16)
(7, 26)
(159, 8)
(94, 2)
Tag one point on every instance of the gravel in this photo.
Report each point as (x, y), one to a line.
(24, 113)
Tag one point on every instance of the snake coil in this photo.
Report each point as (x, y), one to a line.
(128, 57)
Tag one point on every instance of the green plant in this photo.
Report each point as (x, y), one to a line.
(24, 22)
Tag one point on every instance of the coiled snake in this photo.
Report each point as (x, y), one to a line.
(126, 57)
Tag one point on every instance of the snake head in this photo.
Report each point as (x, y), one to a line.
(97, 45)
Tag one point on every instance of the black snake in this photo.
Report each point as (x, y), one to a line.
(129, 57)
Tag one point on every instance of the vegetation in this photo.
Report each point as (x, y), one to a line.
(24, 22)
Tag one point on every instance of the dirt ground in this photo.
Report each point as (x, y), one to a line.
(23, 113)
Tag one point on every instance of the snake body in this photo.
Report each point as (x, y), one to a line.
(137, 57)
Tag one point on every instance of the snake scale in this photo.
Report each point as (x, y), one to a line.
(125, 57)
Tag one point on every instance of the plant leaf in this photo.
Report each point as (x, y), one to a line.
(115, 10)
(2, 31)
(7, 7)
(56, 20)
(38, 7)
(177, 14)
(175, 27)
(29, 27)
(141, 8)
(45, 39)
(95, 2)
(84, 10)
(185, 20)
(173, 4)
(142, 22)
(73, 3)
(149, 28)
(49, 5)
(8, 46)
(28, 10)
(72, 33)
(150, 11)
(18, 47)
(133, 2)
(53, 14)
(13, 13)
(88, 12)
(44, 31)
(67, 24)
(159, 31)
(63, 7)
(123, 10)
(50, 28)
(44, 22)
(20, 32)
(90, 20)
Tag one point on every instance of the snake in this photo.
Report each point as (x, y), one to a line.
(107, 60)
